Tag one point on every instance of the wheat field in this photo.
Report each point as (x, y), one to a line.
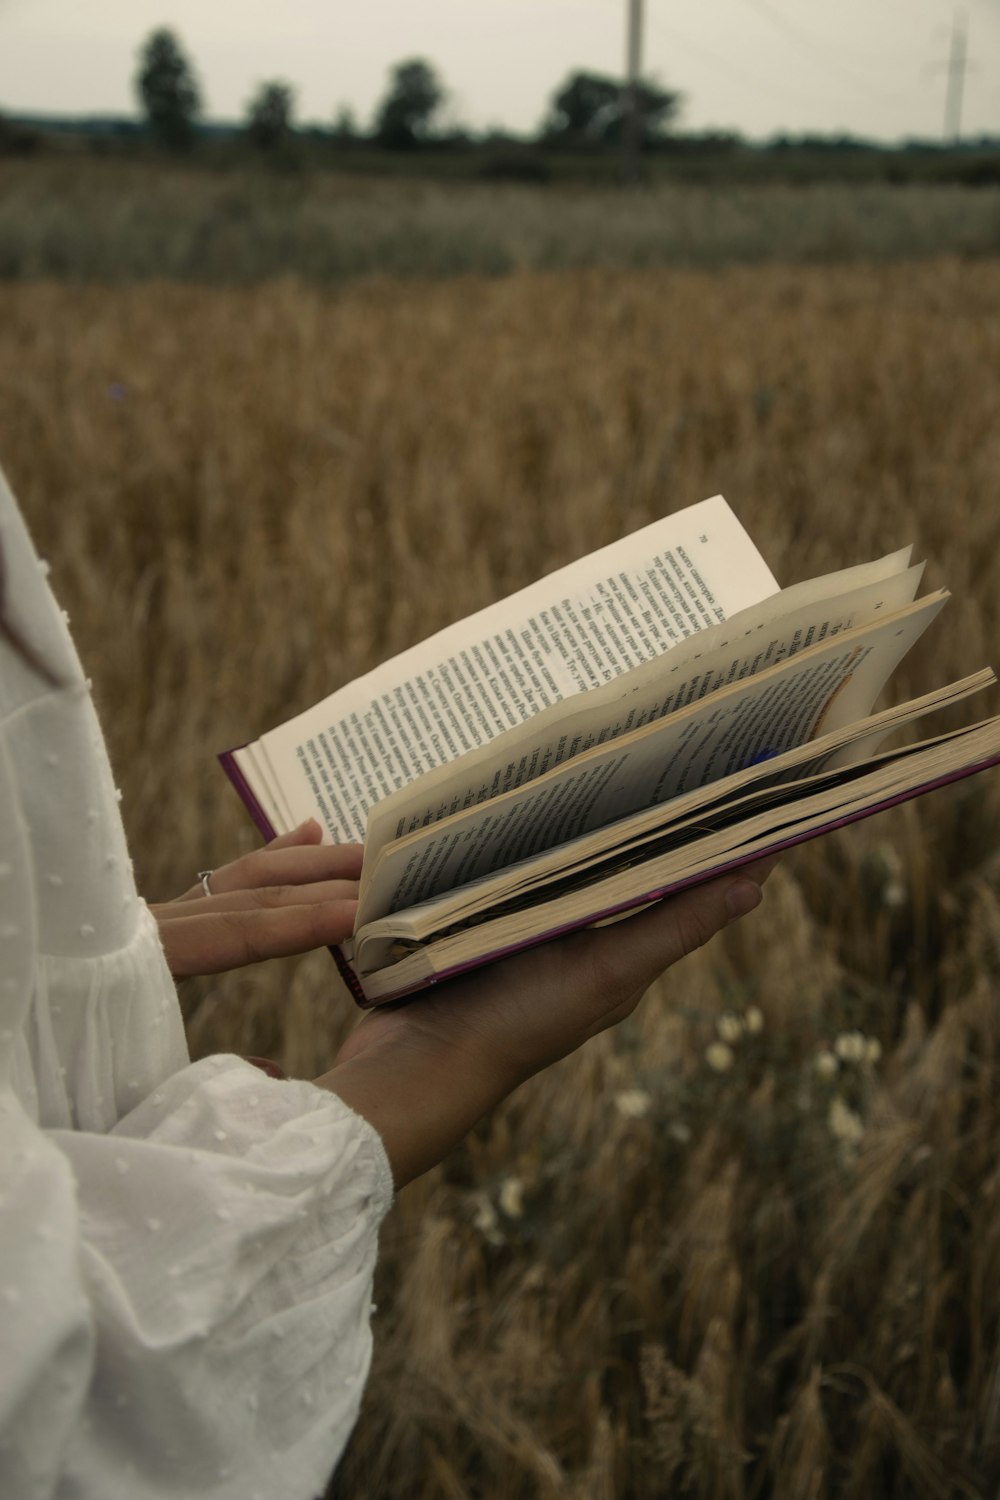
(749, 1244)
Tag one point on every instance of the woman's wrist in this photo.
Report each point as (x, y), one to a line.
(422, 1091)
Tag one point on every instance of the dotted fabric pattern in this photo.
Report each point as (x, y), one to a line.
(186, 1250)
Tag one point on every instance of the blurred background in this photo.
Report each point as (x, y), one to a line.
(321, 327)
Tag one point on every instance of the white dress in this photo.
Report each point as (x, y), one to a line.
(186, 1250)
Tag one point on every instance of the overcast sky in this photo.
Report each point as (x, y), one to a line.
(871, 67)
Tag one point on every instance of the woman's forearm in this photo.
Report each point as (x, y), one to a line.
(422, 1094)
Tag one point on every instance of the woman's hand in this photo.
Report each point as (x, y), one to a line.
(423, 1072)
(290, 896)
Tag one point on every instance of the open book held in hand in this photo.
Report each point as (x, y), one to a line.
(650, 716)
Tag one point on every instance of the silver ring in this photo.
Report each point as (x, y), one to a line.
(205, 876)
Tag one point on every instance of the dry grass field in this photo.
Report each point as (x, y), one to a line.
(748, 1245)
(120, 221)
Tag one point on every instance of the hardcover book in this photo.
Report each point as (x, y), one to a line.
(650, 716)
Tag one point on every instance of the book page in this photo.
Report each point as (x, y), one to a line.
(816, 691)
(444, 915)
(964, 753)
(752, 641)
(832, 753)
(570, 633)
(749, 642)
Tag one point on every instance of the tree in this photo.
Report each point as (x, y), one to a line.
(414, 96)
(168, 90)
(592, 107)
(656, 108)
(269, 115)
(583, 105)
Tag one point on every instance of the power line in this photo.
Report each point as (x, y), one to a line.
(814, 47)
(811, 45)
(772, 14)
(725, 64)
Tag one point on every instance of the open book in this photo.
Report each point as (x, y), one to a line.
(648, 717)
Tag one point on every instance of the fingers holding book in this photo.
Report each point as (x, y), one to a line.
(293, 895)
(637, 951)
(593, 979)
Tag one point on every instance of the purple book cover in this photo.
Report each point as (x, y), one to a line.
(227, 760)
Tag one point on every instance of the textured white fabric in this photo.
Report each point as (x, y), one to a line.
(186, 1250)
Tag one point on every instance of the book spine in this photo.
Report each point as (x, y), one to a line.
(350, 978)
(227, 761)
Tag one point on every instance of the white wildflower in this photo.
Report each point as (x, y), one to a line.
(719, 1056)
(730, 1027)
(678, 1131)
(894, 894)
(845, 1124)
(754, 1019)
(486, 1221)
(511, 1197)
(825, 1063)
(633, 1103)
(873, 1050)
(850, 1046)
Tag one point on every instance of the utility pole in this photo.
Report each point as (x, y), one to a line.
(632, 124)
(956, 66)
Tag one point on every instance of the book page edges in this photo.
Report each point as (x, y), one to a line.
(589, 715)
(632, 834)
(854, 694)
(660, 892)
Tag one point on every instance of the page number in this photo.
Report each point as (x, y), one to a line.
(703, 539)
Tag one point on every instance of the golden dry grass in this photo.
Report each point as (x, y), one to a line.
(642, 1277)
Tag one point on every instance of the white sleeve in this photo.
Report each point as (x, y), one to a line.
(187, 1298)
(185, 1281)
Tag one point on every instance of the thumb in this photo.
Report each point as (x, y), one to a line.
(665, 933)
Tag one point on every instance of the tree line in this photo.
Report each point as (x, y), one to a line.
(586, 108)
